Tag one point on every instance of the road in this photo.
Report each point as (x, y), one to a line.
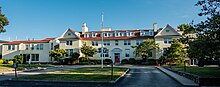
(137, 77)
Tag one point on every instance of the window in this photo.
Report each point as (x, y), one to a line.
(69, 34)
(41, 46)
(11, 47)
(127, 42)
(32, 46)
(38, 46)
(168, 40)
(131, 33)
(69, 42)
(138, 42)
(127, 52)
(51, 46)
(34, 57)
(106, 43)
(68, 52)
(94, 43)
(26, 46)
(105, 52)
(116, 42)
(167, 30)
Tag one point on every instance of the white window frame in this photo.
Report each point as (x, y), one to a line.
(127, 42)
(107, 43)
(168, 40)
(127, 52)
(69, 43)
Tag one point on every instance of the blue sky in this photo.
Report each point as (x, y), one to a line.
(39, 19)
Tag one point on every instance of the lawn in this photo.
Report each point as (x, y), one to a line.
(8, 67)
(201, 71)
(80, 74)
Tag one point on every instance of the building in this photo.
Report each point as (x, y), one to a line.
(117, 43)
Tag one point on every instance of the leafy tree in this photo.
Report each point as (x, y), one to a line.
(74, 56)
(175, 53)
(145, 48)
(3, 21)
(88, 51)
(18, 59)
(57, 54)
(207, 45)
(186, 28)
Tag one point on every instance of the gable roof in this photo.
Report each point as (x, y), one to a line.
(72, 31)
(168, 26)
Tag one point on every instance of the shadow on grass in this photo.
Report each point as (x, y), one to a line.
(70, 77)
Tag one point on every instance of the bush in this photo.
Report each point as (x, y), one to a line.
(96, 61)
(10, 62)
(151, 62)
(1, 61)
(107, 61)
(132, 61)
(18, 59)
(124, 61)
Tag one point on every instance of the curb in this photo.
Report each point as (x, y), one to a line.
(176, 79)
(121, 76)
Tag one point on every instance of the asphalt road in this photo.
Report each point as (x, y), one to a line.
(137, 77)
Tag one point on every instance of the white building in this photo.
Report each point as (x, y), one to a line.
(117, 43)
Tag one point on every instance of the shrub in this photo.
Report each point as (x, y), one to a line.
(107, 61)
(132, 61)
(18, 59)
(151, 62)
(124, 61)
(10, 62)
(96, 61)
(1, 61)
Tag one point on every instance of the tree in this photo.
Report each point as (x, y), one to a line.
(57, 54)
(145, 48)
(88, 51)
(74, 56)
(175, 53)
(3, 21)
(18, 59)
(186, 28)
(207, 45)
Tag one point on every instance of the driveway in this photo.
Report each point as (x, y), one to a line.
(139, 76)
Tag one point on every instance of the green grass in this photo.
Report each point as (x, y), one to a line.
(80, 74)
(201, 71)
(8, 67)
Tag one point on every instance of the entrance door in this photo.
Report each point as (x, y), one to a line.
(117, 57)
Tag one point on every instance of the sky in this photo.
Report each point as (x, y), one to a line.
(39, 19)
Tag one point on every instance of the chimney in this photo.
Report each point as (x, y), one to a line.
(155, 27)
(84, 28)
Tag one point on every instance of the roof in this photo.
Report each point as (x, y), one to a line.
(46, 40)
(98, 37)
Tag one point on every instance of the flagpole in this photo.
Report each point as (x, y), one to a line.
(102, 41)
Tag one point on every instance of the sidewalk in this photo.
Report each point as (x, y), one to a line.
(182, 80)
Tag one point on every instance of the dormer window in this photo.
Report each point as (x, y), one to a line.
(94, 34)
(131, 33)
(69, 34)
(144, 33)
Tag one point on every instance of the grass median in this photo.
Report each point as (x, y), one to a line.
(80, 74)
(200, 71)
